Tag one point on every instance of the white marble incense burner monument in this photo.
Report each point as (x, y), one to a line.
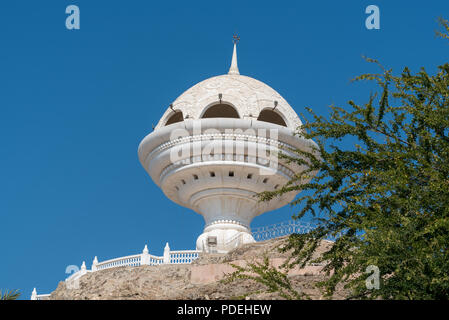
(216, 147)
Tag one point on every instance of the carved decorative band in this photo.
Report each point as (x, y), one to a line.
(216, 136)
(226, 221)
(223, 158)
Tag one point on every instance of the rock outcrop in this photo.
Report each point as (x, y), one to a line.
(199, 280)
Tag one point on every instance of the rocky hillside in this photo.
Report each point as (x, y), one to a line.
(200, 280)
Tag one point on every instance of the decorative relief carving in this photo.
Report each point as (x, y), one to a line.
(248, 95)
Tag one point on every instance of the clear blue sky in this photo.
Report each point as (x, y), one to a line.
(75, 105)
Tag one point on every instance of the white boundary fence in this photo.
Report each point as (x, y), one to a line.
(179, 256)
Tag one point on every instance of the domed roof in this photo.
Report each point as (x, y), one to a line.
(248, 96)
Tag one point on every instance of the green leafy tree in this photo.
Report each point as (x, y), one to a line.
(274, 280)
(386, 196)
(9, 295)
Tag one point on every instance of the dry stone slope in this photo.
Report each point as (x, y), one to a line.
(199, 280)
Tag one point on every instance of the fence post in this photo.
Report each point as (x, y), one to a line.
(144, 257)
(167, 254)
(34, 294)
(83, 268)
(94, 264)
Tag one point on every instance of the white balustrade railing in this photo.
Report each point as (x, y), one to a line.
(154, 261)
(128, 261)
(183, 257)
(145, 258)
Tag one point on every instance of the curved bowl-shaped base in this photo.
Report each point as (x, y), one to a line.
(217, 167)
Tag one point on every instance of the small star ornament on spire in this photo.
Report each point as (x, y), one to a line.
(236, 38)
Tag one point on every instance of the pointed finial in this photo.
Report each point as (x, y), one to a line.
(94, 264)
(83, 266)
(34, 294)
(166, 258)
(145, 250)
(234, 69)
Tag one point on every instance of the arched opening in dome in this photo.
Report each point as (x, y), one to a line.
(221, 111)
(271, 116)
(176, 117)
